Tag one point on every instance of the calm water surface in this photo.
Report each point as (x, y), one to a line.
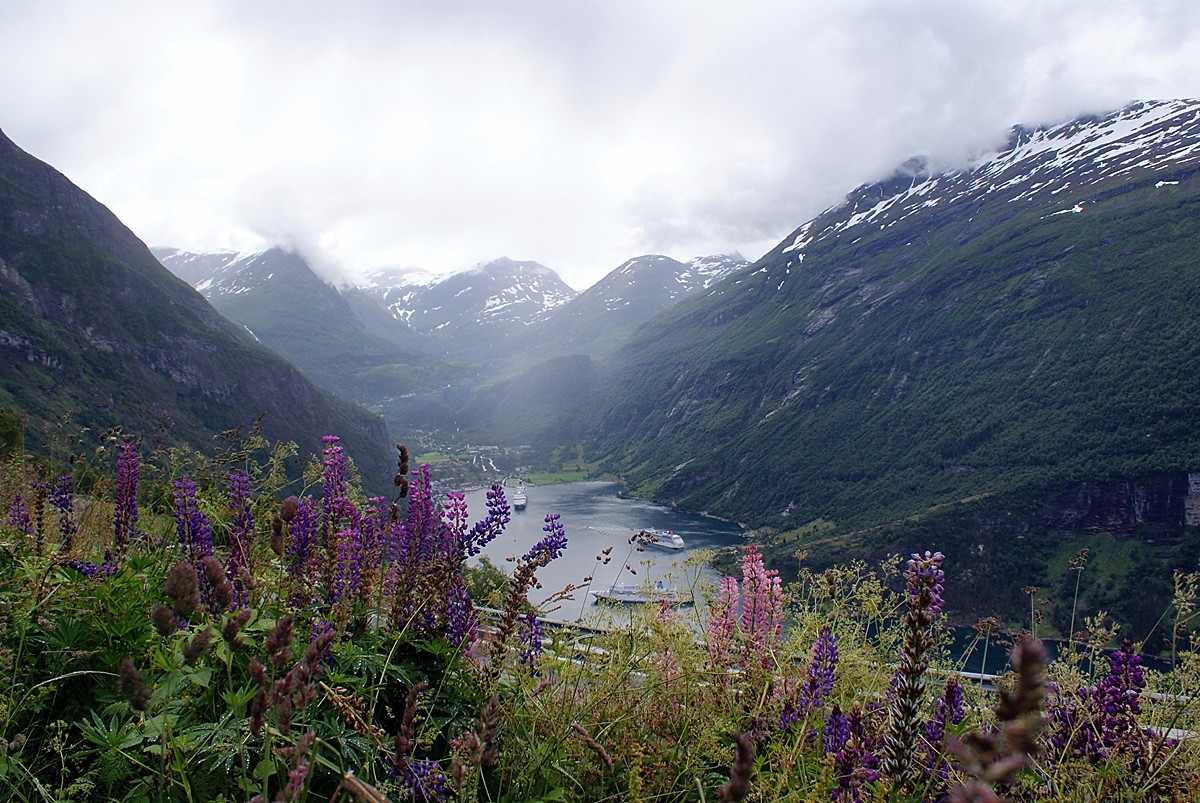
(595, 518)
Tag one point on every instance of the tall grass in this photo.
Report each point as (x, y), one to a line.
(186, 629)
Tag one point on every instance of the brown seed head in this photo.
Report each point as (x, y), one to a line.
(289, 508)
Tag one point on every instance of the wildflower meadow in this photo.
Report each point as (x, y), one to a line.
(182, 628)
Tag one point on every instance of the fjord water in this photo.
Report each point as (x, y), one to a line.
(596, 518)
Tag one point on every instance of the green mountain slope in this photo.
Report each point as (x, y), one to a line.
(287, 307)
(93, 325)
(934, 340)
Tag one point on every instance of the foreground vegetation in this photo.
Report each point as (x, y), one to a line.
(181, 628)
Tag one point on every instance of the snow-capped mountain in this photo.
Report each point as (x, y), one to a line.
(231, 273)
(283, 303)
(493, 299)
(1037, 165)
(604, 314)
(703, 272)
(657, 281)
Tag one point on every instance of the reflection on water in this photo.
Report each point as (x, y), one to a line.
(595, 519)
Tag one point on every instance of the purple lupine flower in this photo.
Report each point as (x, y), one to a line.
(194, 533)
(92, 570)
(460, 613)
(762, 608)
(18, 516)
(241, 534)
(552, 544)
(854, 767)
(422, 522)
(818, 684)
(347, 574)
(855, 762)
(422, 779)
(454, 517)
(320, 642)
(333, 470)
(1095, 721)
(337, 511)
(300, 552)
(949, 711)
(549, 548)
(1118, 695)
(530, 635)
(836, 732)
(125, 513)
(372, 526)
(192, 528)
(722, 624)
(485, 530)
(62, 499)
(925, 576)
(408, 549)
(935, 769)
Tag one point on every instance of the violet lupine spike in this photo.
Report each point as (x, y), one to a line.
(530, 636)
(552, 544)
(62, 499)
(935, 768)
(422, 518)
(822, 668)
(836, 732)
(1094, 721)
(925, 575)
(949, 711)
(125, 512)
(301, 549)
(485, 531)
(461, 621)
(19, 518)
(853, 750)
(192, 528)
(422, 779)
(411, 547)
(549, 548)
(374, 525)
(348, 569)
(241, 534)
(336, 508)
(319, 652)
(194, 533)
(90, 569)
(454, 516)
(818, 685)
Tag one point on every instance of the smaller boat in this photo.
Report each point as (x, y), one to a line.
(662, 538)
(629, 594)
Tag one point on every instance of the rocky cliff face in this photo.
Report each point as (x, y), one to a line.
(1154, 508)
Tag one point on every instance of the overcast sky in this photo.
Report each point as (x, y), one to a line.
(577, 134)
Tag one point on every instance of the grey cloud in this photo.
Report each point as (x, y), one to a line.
(575, 134)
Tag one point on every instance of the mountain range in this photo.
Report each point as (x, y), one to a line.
(410, 344)
(997, 361)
